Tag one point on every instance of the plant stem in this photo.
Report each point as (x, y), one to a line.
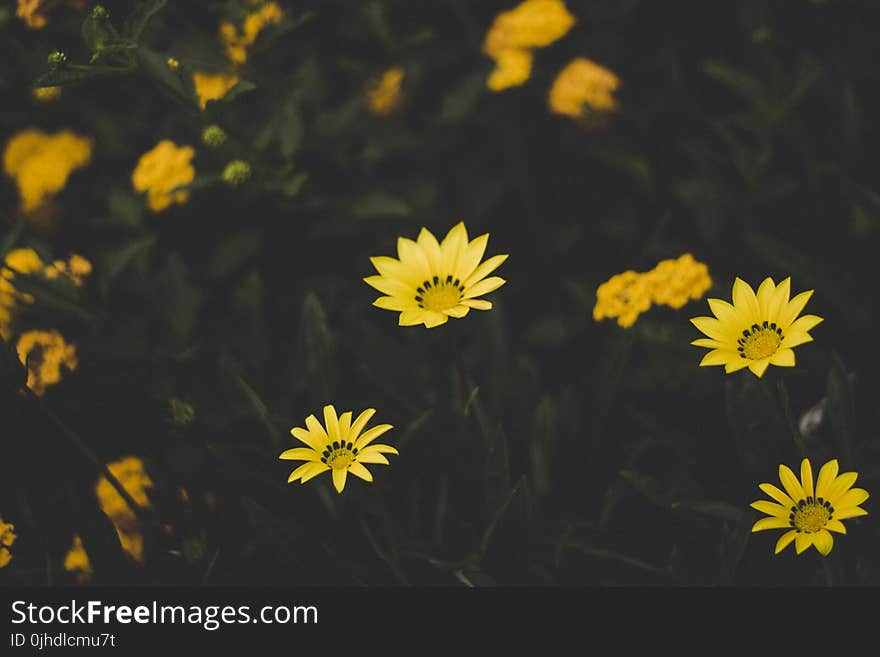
(785, 400)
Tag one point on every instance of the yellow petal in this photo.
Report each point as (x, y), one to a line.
(345, 426)
(766, 291)
(360, 423)
(331, 422)
(316, 429)
(394, 269)
(709, 343)
(777, 495)
(384, 449)
(714, 329)
(771, 509)
(485, 269)
(823, 542)
(852, 512)
(395, 303)
(790, 312)
(453, 245)
(758, 367)
(371, 435)
(359, 470)
(770, 523)
(783, 358)
(792, 485)
(737, 365)
(339, 479)
(840, 485)
(745, 301)
(458, 311)
(779, 300)
(835, 525)
(391, 287)
(802, 542)
(296, 474)
(431, 247)
(805, 323)
(411, 317)
(483, 287)
(300, 454)
(790, 340)
(314, 471)
(434, 318)
(807, 477)
(315, 442)
(718, 357)
(784, 540)
(852, 497)
(412, 255)
(725, 312)
(471, 257)
(372, 457)
(477, 304)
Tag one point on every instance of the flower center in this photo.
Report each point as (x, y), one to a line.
(439, 294)
(810, 515)
(338, 455)
(760, 341)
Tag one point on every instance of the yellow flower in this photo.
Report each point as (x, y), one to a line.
(624, 296)
(236, 43)
(583, 89)
(808, 516)
(76, 269)
(384, 96)
(173, 63)
(341, 448)
(135, 480)
(46, 94)
(7, 538)
(513, 34)
(432, 281)
(40, 163)
(531, 24)
(757, 330)
(674, 282)
(161, 170)
(45, 353)
(512, 68)
(30, 12)
(77, 561)
(17, 261)
(212, 86)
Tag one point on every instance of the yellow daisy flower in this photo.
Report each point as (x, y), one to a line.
(756, 330)
(341, 448)
(432, 281)
(810, 516)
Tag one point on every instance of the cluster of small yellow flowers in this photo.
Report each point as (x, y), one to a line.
(624, 296)
(40, 163)
(671, 283)
(674, 282)
(383, 97)
(213, 86)
(46, 94)
(7, 538)
(76, 269)
(584, 90)
(237, 42)
(515, 33)
(160, 171)
(77, 561)
(134, 479)
(31, 12)
(45, 353)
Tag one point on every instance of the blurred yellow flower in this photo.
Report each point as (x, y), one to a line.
(237, 42)
(45, 353)
(675, 282)
(40, 163)
(7, 538)
(160, 171)
(213, 86)
(624, 296)
(77, 561)
(76, 268)
(134, 479)
(46, 94)
(584, 90)
(512, 68)
(810, 514)
(433, 281)
(173, 63)
(30, 12)
(17, 261)
(383, 97)
(757, 330)
(513, 34)
(340, 448)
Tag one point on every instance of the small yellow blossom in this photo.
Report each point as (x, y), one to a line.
(134, 479)
(7, 538)
(213, 86)
(46, 94)
(173, 63)
(160, 171)
(515, 33)
(624, 296)
(237, 42)
(45, 353)
(17, 261)
(40, 163)
(675, 282)
(76, 269)
(77, 561)
(383, 97)
(584, 90)
(512, 68)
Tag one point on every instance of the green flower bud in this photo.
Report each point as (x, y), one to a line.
(57, 59)
(236, 172)
(99, 13)
(213, 136)
(181, 412)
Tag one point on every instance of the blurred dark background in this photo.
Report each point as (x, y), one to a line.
(536, 445)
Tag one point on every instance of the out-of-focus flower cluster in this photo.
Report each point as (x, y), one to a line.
(383, 96)
(7, 538)
(161, 171)
(584, 90)
(671, 283)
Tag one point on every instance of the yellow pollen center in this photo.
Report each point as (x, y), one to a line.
(339, 456)
(760, 342)
(810, 516)
(440, 293)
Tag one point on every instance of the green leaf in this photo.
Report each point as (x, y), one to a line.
(316, 346)
(117, 261)
(737, 81)
(140, 17)
(98, 33)
(290, 130)
(841, 408)
(155, 65)
(241, 87)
